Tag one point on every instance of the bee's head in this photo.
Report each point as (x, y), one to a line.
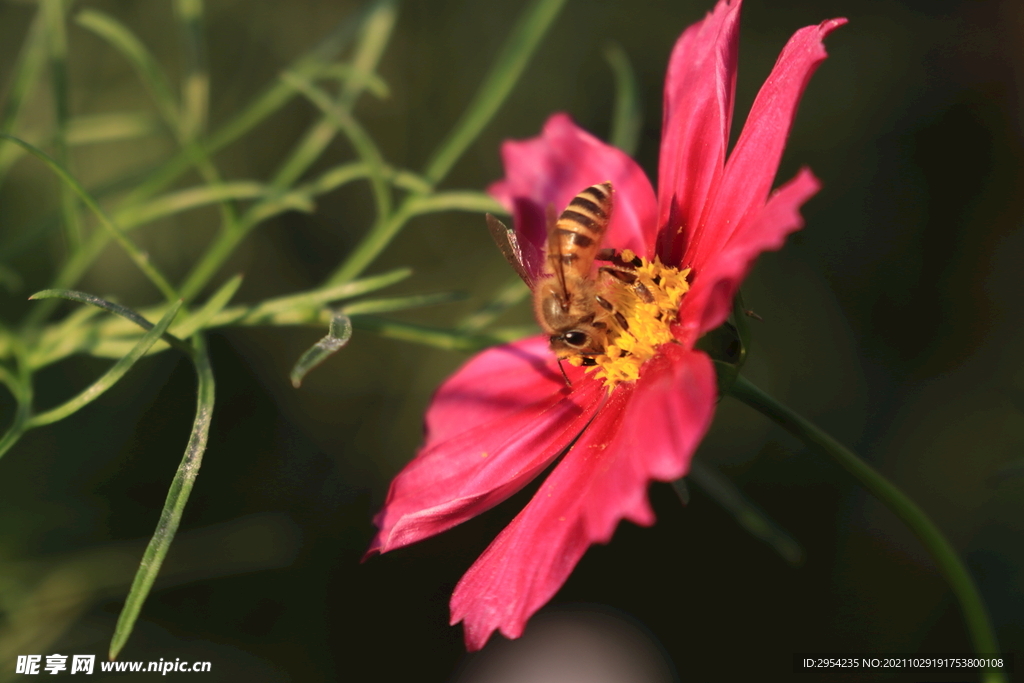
(583, 340)
(575, 339)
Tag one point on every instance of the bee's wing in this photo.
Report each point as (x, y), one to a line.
(508, 243)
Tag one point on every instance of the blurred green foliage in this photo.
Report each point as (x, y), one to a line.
(225, 138)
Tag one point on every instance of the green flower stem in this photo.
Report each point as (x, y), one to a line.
(978, 623)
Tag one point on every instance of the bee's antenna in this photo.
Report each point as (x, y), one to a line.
(564, 376)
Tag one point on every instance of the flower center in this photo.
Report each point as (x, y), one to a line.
(640, 318)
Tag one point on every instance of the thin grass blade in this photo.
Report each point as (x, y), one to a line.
(508, 67)
(21, 389)
(190, 198)
(174, 505)
(26, 75)
(134, 253)
(374, 34)
(514, 292)
(285, 309)
(468, 200)
(364, 145)
(627, 117)
(375, 85)
(214, 305)
(109, 378)
(449, 340)
(337, 337)
(401, 303)
(111, 127)
(255, 113)
(195, 85)
(58, 44)
(131, 48)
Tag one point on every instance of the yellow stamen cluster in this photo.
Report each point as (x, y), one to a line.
(647, 323)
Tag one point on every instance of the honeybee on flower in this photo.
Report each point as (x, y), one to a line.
(639, 411)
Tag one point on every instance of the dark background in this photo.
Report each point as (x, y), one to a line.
(893, 320)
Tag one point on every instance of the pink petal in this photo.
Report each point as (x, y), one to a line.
(646, 431)
(555, 167)
(492, 428)
(531, 558)
(699, 88)
(751, 168)
(664, 423)
(709, 301)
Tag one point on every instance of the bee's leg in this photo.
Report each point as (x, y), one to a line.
(613, 256)
(629, 277)
(603, 302)
(625, 275)
(643, 293)
(564, 376)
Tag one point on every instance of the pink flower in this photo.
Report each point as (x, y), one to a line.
(507, 414)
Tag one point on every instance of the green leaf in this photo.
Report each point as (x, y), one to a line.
(110, 377)
(450, 340)
(174, 505)
(285, 309)
(374, 34)
(474, 202)
(252, 115)
(21, 388)
(401, 303)
(512, 293)
(134, 253)
(364, 145)
(515, 54)
(627, 119)
(131, 48)
(335, 177)
(110, 306)
(375, 85)
(190, 198)
(507, 68)
(338, 335)
(97, 128)
(26, 75)
(54, 10)
(216, 303)
(195, 85)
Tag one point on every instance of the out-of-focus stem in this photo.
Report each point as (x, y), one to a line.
(978, 623)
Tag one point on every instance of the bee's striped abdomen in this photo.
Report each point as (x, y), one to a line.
(576, 236)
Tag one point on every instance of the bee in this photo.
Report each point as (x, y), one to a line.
(567, 297)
